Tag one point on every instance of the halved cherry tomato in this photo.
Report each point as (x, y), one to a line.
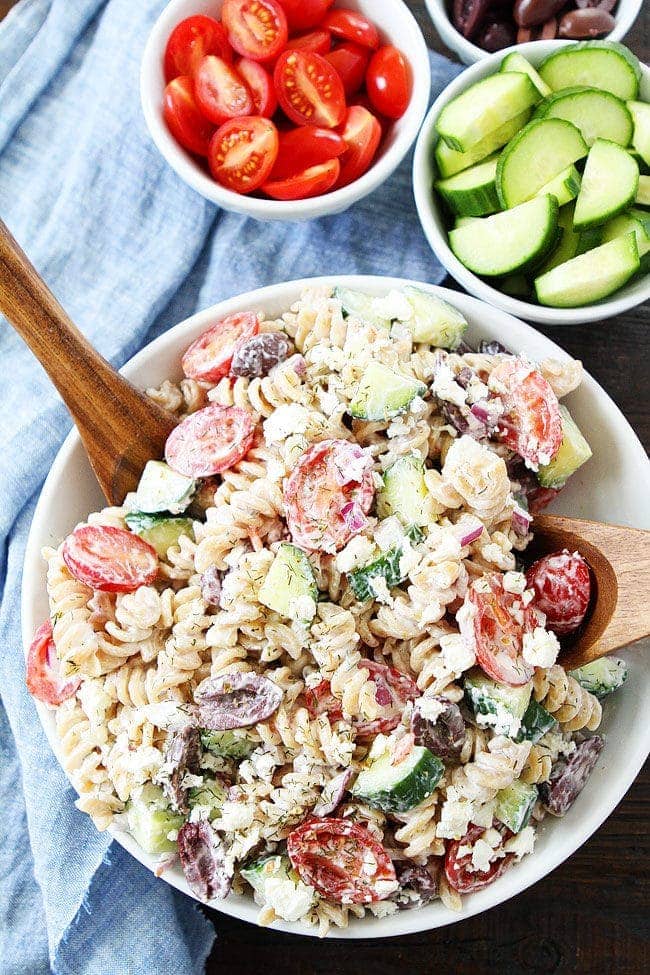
(457, 871)
(220, 92)
(309, 90)
(562, 585)
(494, 625)
(302, 148)
(242, 153)
(389, 81)
(44, 680)
(303, 14)
(392, 690)
(344, 861)
(311, 182)
(209, 441)
(320, 700)
(531, 424)
(208, 358)
(361, 134)
(350, 61)
(256, 29)
(352, 26)
(318, 41)
(109, 559)
(184, 119)
(190, 41)
(261, 87)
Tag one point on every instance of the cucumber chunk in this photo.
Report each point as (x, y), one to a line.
(473, 192)
(159, 531)
(434, 320)
(609, 184)
(259, 871)
(386, 567)
(601, 677)
(535, 723)
(627, 223)
(277, 884)
(591, 276)
(573, 453)
(397, 787)
(540, 152)
(496, 705)
(483, 107)
(516, 285)
(605, 65)
(588, 239)
(209, 797)
(564, 187)
(597, 114)
(162, 489)
(568, 243)
(361, 306)
(290, 586)
(228, 744)
(643, 192)
(151, 820)
(404, 493)
(450, 161)
(382, 393)
(517, 62)
(509, 241)
(514, 805)
(640, 112)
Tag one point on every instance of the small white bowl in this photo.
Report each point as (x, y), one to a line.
(613, 487)
(626, 13)
(397, 26)
(432, 215)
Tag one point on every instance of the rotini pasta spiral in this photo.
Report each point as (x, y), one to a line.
(562, 695)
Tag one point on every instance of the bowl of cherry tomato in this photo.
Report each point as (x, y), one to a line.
(284, 109)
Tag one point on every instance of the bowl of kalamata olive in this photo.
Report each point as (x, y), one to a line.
(476, 28)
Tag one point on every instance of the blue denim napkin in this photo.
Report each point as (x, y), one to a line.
(129, 250)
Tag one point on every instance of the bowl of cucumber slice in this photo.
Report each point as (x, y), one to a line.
(532, 180)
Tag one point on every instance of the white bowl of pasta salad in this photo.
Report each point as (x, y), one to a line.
(307, 673)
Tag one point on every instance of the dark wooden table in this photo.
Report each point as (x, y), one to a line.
(591, 915)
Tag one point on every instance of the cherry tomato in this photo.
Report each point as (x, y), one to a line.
(190, 41)
(531, 424)
(44, 680)
(320, 700)
(392, 690)
(242, 153)
(352, 26)
(208, 358)
(344, 861)
(350, 61)
(309, 90)
(311, 182)
(257, 29)
(361, 134)
(562, 585)
(183, 118)
(303, 14)
(260, 84)
(540, 498)
(302, 148)
(220, 92)
(389, 81)
(109, 559)
(318, 41)
(209, 441)
(494, 625)
(457, 871)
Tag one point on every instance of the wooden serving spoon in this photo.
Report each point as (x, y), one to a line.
(122, 429)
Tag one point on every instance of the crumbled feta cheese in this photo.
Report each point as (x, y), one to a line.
(380, 590)
(384, 888)
(430, 709)
(455, 816)
(389, 534)
(417, 405)
(330, 356)
(483, 815)
(395, 305)
(289, 900)
(167, 714)
(302, 608)
(482, 856)
(456, 653)
(540, 648)
(328, 401)
(446, 388)
(290, 418)
(409, 559)
(359, 551)
(235, 816)
(476, 391)
(95, 702)
(503, 721)
(522, 843)
(514, 582)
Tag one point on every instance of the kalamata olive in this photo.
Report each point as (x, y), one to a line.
(530, 13)
(438, 724)
(465, 376)
(525, 34)
(607, 5)
(333, 792)
(492, 347)
(549, 29)
(182, 755)
(569, 776)
(204, 862)
(236, 700)
(463, 348)
(418, 885)
(589, 22)
(211, 585)
(496, 35)
(259, 354)
(470, 14)
(454, 416)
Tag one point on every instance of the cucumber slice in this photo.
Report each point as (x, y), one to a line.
(483, 107)
(588, 239)
(626, 223)
(277, 884)
(386, 567)
(516, 285)
(210, 797)
(601, 677)
(290, 587)
(449, 161)
(573, 453)
(644, 169)
(361, 306)
(540, 152)
(382, 393)
(150, 820)
(434, 321)
(397, 786)
(404, 493)
(162, 489)
(640, 112)
(496, 705)
(158, 530)
(535, 723)
(591, 276)
(517, 62)
(473, 192)
(605, 65)
(509, 241)
(514, 805)
(597, 114)
(643, 192)
(609, 184)
(564, 187)
(228, 744)
(568, 243)
(466, 221)
(259, 871)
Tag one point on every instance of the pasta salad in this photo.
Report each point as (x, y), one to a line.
(309, 657)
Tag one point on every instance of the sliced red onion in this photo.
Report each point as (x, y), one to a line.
(471, 536)
(298, 365)
(468, 529)
(333, 793)
(488, 412)
(353, 516)
(352, 463)
(521, 521)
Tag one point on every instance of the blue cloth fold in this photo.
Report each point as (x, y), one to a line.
(129, 250)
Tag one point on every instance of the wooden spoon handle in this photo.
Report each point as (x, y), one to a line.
(120, 427)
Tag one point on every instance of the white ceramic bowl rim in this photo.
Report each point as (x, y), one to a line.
(58, 510)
